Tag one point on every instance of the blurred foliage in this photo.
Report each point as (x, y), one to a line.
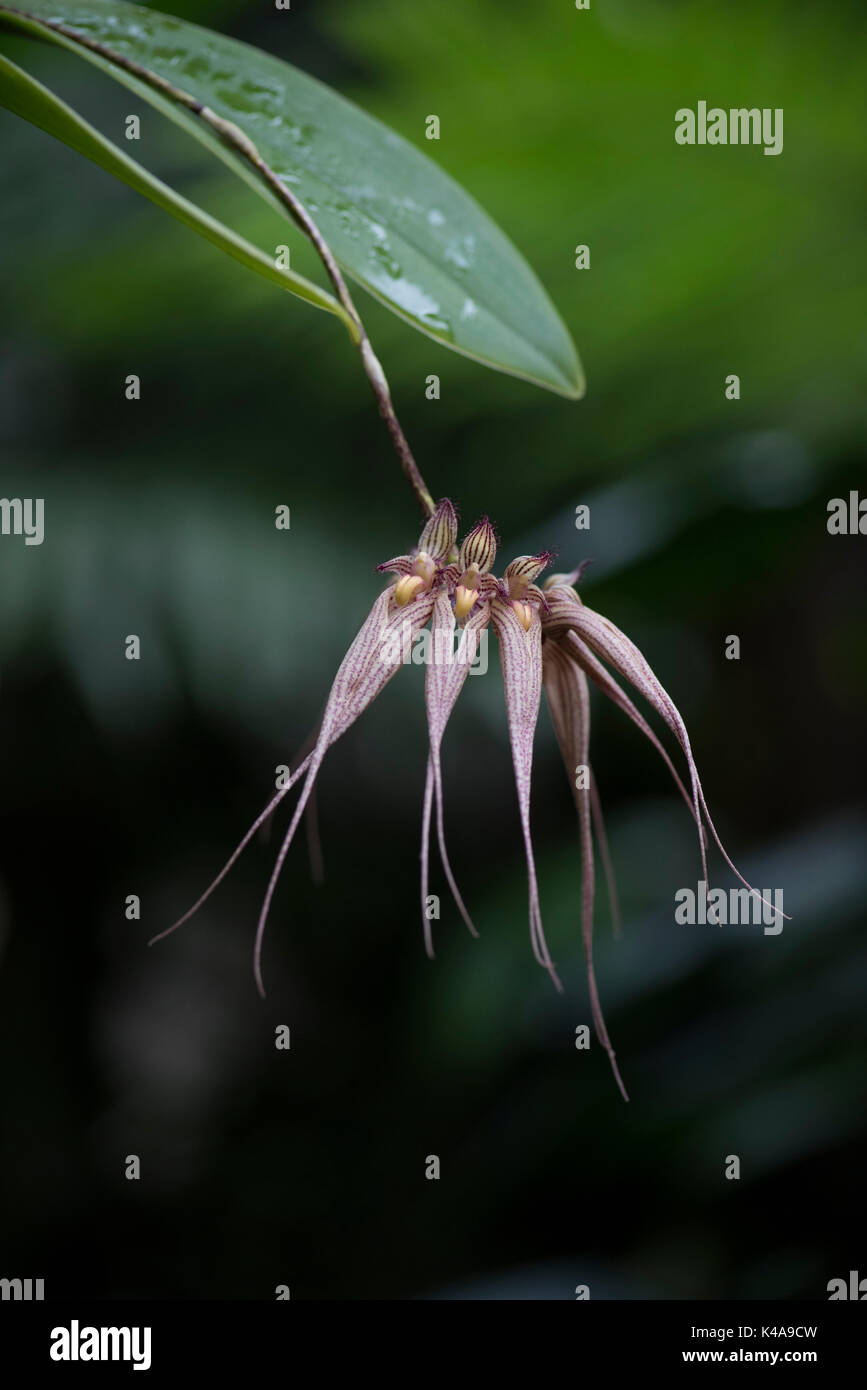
(707, 518)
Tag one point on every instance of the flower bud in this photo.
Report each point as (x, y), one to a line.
(479, 547)
(522, 572)
(440, 532)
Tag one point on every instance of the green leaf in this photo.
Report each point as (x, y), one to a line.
(22, 94)
(394, 221)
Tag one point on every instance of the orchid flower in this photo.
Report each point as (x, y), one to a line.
(547, 637)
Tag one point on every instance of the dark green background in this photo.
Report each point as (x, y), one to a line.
(708, 518)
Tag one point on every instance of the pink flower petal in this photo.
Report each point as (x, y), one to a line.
(521, 659)
(236, 853)
(366, 669)
(447, 670)
(609, 686)
(605, 856)
(608, 642)
(400, 564)
(569, 702)
(425, 857)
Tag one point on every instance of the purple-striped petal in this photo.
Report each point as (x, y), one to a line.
(521, 660)
(605, 855)
(236, 853)
(356, 696)
(602, 677)
(447, 670)
(607, 641)
(399, 564)
(569, 702)
(370, 663)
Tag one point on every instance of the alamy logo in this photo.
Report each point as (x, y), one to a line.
(460, 647)
(847, 517)
(75, 1343)
(740, 125)
(856, 1288)
(23, 516)
(22, 1290)
(738, 906)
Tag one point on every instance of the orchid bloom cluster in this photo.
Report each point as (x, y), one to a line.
(547, 637)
